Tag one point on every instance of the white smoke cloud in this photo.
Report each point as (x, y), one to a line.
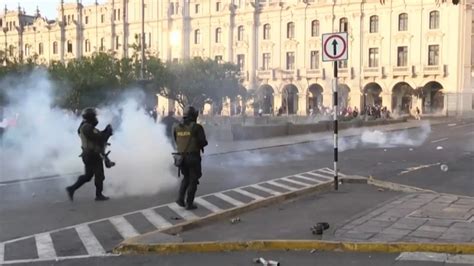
(45, 141)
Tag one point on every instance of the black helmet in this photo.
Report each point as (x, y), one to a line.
(190, 112)
(89, 113)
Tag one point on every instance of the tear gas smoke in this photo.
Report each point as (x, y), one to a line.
(45, 141)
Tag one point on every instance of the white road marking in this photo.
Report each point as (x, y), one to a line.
(308, 178)
(123, 227)
(2, 252)
(90, 242)
(287, 179)
(44, 246)
(461, 259)
(213, 208)
(187, 215)
(415, 168)
(155, 219)
(228, 199)
(452, 125)
(12, 262)
(319, 175)
(436, 257)
(268, 190)
(466, 125)
(248, 194)
(272, 182)
(330, 171)
(439, 140)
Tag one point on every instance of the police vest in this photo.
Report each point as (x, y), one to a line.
(184, 135)
(87, 144)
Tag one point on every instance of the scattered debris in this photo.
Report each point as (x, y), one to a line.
(265, 262)
(175, 218)
(380, 189)
(451, 125)
(410, 149)
(384, 149)
(444, 167)
(33, 195)
(439, 148)
(319, 228)
(235, 220)
(312, 251)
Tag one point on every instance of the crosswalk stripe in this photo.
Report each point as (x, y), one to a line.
(2, 252)
(268, 190)
(319, 175)
(187, 215)
(308, 178)
(155, 219)
(330, 171)
(207, 205)
(287, 179)
(123, 227)
(228, 199)
(44, 246)
(248, 194)
(90, 242)
(281, 185)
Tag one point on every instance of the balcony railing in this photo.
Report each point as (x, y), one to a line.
(266, 74)
(345, 72)
(372, 72)
(402, 70)
(289, 74)
(433, 70)
(314, 73)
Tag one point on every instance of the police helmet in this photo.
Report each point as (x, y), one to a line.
(190, 112)
(89, 113)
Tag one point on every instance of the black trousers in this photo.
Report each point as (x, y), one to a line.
(191, 171)
(94, 166)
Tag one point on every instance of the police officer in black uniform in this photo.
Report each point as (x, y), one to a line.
(92, 143)
(190, 140)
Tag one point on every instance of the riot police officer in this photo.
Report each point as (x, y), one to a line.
(93, 142)
(190, 140)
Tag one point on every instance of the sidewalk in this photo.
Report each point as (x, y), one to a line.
(362, 218)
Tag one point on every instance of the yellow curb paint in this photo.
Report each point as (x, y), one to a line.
(277, 245)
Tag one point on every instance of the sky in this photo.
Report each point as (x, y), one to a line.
(48, 8)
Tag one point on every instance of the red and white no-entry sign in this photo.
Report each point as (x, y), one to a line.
(335, 46)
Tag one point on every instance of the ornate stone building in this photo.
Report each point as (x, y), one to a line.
(402, 53)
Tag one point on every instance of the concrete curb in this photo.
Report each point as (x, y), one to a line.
(285, 245)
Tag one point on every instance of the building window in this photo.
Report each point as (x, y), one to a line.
(266, 31)
(434, 20)
(403, 22)
(290, 60)
(86, 20)
(115, 14)
(314, 60)
(117, 44)
(102, 47)
(118, 14)
(241, 61)
(218, 35)
(218, 6)
(240, 33)
(197, 36)
(315, 28)
(373, 57)
(402, 56)
(343, 25)
(196, 8)
(266, 61)
(290, 30)
(69, 46)
(87, 46)
(40, 49)
(433, 55)
(374, 24)
(171, 9)
(149, 41)
(27, 50)
(342, 64)
(218, 58)
(55, 47)
(11, 50)
(102, 18)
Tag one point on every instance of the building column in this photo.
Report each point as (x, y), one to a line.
(302, 103)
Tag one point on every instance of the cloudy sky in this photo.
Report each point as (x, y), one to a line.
(48, 8)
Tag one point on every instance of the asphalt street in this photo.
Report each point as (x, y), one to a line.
(405, 156)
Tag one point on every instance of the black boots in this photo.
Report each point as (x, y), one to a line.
(101, 198)
(70, 193)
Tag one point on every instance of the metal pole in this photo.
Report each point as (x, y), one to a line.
(143, 41)
(334, 90)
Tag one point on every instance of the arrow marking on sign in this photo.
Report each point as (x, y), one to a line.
(334, 47)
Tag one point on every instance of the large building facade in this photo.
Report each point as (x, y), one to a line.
(402, 53)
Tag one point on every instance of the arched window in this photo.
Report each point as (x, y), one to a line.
(40, 48)
(434, 20)
(403, 22)
(374, 24)
(266, 31)
(197, 36)
(27, 50)
(314, 28)
(87, 46)
(240, 33)
(343, 25)
(69, 46)
(218, 35)
(290, 30)
(55, 47)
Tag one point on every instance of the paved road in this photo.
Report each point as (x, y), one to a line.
(32, 207)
